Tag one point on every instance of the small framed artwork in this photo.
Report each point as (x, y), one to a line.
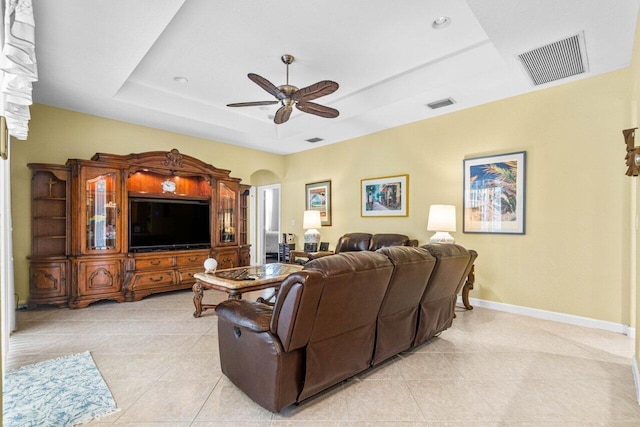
(494, 194)
(385, 196)
(318, 198)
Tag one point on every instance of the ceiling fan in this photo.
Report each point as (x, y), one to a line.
(289, 95)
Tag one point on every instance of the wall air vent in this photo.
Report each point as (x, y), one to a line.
(314, 140)
(556, 61)
(441, 103)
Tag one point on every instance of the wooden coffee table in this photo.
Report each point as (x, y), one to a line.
(236, 281)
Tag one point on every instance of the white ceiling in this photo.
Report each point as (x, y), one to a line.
(118, 59)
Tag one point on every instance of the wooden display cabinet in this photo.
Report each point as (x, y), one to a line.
(85, 221)
(50, 242)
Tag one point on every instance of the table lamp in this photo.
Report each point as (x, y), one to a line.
(311, 222)
(442, 219)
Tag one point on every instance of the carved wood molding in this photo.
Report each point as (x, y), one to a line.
(633, 153)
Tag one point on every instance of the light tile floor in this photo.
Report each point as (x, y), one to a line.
(489, 369)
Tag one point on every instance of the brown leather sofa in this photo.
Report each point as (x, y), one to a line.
(351, 242)
(337, 317)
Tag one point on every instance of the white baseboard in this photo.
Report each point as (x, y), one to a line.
(555, 316)
(636, 377)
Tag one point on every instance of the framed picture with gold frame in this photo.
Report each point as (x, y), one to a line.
(384, 196)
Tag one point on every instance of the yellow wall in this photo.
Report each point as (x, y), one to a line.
(572, 258)
(577, 205)
(634, 193)
(56, 135)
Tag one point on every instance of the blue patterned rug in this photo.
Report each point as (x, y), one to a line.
(59, 392)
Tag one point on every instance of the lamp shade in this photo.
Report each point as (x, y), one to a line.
(311, 220)
(442, 218)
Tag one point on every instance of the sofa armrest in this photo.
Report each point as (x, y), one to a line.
(252, 315)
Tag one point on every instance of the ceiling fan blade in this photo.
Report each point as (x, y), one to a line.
(316, 90)
(252, 104)
(317, 109)
(282, 115)
(266, 85)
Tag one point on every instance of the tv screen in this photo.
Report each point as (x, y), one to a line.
(164, 224)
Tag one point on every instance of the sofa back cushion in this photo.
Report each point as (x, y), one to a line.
(352, 242)
(343, 334)
(438, 301)
(384, 240)
(398, 317)
(295, 307)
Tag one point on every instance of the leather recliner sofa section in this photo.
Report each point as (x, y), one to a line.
(352, 242)
(337, 317)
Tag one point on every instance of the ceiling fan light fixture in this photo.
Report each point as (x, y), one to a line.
(290, 96)
(441, 22)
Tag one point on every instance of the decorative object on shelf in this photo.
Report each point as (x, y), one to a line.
(311, 222)
(289, 95)
(210, 265)
(168, 186)
(494, 194)
(442, 219)
(318, 198)
(633, 153)
(385, 196)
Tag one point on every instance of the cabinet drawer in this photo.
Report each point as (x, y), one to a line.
(227, 259)
(152, 279)
(188, 260)
(185, 275)
(149, 263)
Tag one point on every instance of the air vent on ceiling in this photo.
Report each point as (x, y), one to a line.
(556, 61)
(314, 140)
(441, 103)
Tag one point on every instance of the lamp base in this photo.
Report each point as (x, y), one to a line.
(441, 237)
(312, 236)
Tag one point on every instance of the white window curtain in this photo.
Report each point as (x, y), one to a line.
(18, 65)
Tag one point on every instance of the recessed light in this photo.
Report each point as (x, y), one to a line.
(181, 80)
(441, 22)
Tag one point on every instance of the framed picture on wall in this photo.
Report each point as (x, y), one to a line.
(318, 198)
(494, 194)
(385, 196)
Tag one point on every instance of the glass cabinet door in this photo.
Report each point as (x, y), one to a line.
(227, 213)
(102, 218)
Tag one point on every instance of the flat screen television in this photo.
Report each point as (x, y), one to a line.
(168, 224)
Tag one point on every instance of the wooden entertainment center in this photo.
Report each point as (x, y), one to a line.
(123, 227)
